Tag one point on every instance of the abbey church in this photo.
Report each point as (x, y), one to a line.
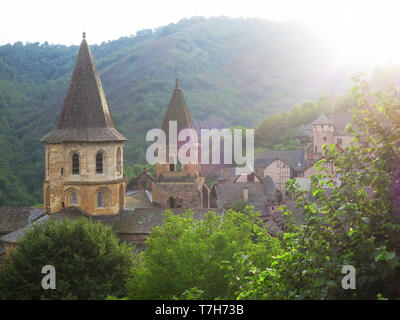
(84, 166)
(84, 153)
(85, 177)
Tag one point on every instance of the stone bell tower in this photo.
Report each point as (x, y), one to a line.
(179, 185)
(84, 153)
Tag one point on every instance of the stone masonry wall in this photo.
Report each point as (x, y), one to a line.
(60, 181)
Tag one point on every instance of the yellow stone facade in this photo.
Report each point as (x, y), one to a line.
(91, 191)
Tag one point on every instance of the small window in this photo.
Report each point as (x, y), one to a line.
(62, 171)
(99, 162)
(119, 161)
(75, 163)
(100, 199)
(324, 138)
(144, 184)
(339, 141)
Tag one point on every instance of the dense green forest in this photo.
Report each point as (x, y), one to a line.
(233, 72)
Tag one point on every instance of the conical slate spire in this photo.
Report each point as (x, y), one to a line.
(177, 111)
(85, 115)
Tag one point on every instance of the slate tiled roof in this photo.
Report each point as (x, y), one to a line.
(341, 121)
(13, 218)
(293, 158)
(138, 221)
(139, 199)
(131, 183)
(142, 221)
(228, 193)
(323, 119)
(166, 178)
(71, 214)
(177, 111)
(85, 115)
(269, 185)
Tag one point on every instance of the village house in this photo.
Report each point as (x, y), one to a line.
(284, 165)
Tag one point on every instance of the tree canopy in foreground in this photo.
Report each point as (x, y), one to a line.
(89, 260)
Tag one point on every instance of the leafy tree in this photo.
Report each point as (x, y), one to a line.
(187, 258)
(354, 222)
(89, 260)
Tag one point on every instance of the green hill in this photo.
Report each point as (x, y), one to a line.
(232, 71)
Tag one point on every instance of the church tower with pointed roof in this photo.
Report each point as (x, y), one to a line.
(179, 185)
(84, 153)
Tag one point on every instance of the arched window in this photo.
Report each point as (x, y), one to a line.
(103, 197)
(75, 163)
(100, 203)
(119, 161)
(171, 202)
(99, 162)
(74, 198)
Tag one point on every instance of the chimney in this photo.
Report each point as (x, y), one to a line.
(245, 192)
(260, 172)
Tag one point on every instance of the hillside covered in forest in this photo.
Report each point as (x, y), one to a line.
(233, 72)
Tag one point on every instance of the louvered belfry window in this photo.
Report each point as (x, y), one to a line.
(99, 162)
(75, 164)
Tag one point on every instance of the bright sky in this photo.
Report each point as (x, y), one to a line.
(357, 30)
